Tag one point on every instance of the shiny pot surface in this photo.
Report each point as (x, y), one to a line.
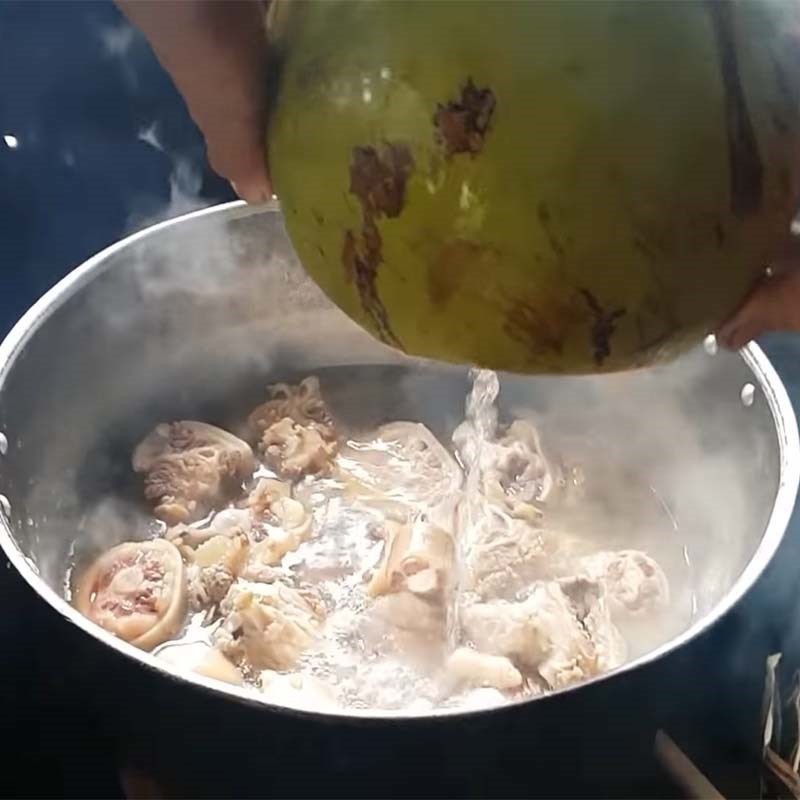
(191, 318)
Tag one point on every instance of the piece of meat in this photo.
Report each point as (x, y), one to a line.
(294, 450)
(284, 522)
(473, 668)
(267, 625)
(416, 556)
(267, 554)
(409, 612)
(503, 556)
(634, 582)
(589, 602)
(272, 504)
(202, 659)
(512, 471)
(517, 463)
(303, 404)
(563, 632)
(263, 496)
(190, 468)
(207, 586)
(213, 567)
(137, 591)
(503, 544)
(230, 522)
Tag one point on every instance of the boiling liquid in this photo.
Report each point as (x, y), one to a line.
(603, 508)
(600, 504)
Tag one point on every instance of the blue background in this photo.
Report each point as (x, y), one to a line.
(78, 89)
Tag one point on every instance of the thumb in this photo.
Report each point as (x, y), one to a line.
(215, 53)
(774, 305)
(752, 318)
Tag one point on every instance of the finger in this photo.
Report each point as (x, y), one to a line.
(745, 322)
(756, 316)
(739, 335)
(774, 305)
(215, 52)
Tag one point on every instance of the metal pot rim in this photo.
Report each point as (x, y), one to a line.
(774, 392)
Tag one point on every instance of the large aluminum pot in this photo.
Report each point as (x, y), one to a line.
(192, 317)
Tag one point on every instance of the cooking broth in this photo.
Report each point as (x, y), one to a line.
(380, 551)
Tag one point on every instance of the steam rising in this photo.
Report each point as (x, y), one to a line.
(117, 40)
(184, 184)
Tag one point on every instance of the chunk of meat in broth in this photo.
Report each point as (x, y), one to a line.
(265, 496)
(405, 628)
(213, 567)
(136, 591)
(215, 553)
(282, 524)
(202, 659)
(294, 450)
(469, 667)
(565, 636)
(294, 430)
(417, 557)
(504, 542)
(513, 474)
(230, 522)
(191, 468)
(409, 612)
(408, 616)
(518, 466)
(503, 556)
(635, 583)
(268, 625)
(588, 601)
(303, 404)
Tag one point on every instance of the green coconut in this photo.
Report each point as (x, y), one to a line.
(560, 187)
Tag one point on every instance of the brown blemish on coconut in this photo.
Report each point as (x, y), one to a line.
(378, 177)
(603, 326)
(361, 260)
(461, 125)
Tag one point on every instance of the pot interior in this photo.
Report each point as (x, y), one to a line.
(191, 319)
